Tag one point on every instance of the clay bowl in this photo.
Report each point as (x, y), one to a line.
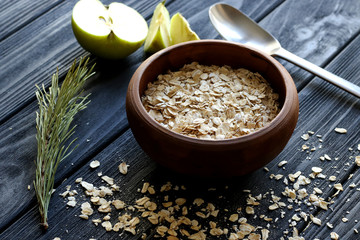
(212, 158)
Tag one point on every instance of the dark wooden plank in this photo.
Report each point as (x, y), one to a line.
(347, 206)
(322, 108)
(95, 130)
(345, 147)
(103, 121)
(316, 31)
(66, 224)
(65, 220)
(341, 102)
(49, 41)
(55, 41)
(16, 14)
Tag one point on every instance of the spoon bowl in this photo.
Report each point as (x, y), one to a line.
(235, 26)
(242, 29)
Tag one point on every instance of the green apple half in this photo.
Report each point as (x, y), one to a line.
(111, 32)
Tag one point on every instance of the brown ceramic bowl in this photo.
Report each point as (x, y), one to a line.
(229, 157)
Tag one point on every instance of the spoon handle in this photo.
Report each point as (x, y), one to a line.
(318, 71)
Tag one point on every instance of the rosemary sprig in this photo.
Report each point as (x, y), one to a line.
(57, 109)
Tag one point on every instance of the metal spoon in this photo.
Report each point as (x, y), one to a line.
(235, 26)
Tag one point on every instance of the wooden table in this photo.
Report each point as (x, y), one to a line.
(36, 38)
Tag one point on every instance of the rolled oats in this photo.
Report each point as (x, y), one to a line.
(357, 160)
(249, 210)
(234, 217)
(123, 168)
(118, 204)
(265, 234)
(332, 178)
(340, 130)
(86, 209)
(334, 236)
(211, 102)
(107, 179)
(198, 201)
(175, 213)
(315, 220)
(282, 163)
(95, 164)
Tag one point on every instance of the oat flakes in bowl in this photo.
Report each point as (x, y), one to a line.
(231, 156)
(211, 102)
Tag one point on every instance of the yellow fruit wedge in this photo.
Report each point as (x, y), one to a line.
(180, 30)
(159, 30)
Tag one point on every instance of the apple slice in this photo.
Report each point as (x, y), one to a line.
(159, 30)
(111, 32)
(180, 30)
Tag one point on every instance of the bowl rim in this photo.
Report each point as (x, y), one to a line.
(290, 91)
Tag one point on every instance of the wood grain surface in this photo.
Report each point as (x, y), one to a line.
(39, 39)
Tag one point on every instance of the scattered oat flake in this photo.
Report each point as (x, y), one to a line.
(180, 201)
(305, 136)
(340, 130)
(142, 201)
(315, 220)
(305, 147)
(334, 236)
(86, 209)
(83, 216)
(123, 168)
(249, 210)
(107, 225)
(234, 217)
(216, 232)
(282, 163)
(78, 180)
(145, 187)
(71, 203)
(198, 201)
(94, 164)
(265, 234)
(118, 204)
(87, 186)
(316, 169)
(318, 190)
(338, 186)
(357, 160)
(273, 206)
(107, 179)
(151, 190)
(332, 178)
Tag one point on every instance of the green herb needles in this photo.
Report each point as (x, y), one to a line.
(57, 109)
